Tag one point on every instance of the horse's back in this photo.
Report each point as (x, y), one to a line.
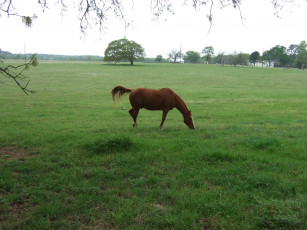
(152, 99)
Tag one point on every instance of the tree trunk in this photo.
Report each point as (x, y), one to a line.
(131, 62)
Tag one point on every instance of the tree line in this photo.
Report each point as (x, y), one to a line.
(9, 55)
(294, 56)
(123, 50)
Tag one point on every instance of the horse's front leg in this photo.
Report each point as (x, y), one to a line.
(134, 113)
(165, 111)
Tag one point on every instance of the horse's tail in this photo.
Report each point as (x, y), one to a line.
(120, 91)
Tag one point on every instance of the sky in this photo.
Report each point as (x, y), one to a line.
(187, 29)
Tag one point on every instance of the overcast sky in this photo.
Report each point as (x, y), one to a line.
(188, 28)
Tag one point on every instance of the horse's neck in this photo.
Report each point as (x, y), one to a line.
(181, 106)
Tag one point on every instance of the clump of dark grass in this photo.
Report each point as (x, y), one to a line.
(213, 157)
(111, 145)
(263, 143)
(276, 214)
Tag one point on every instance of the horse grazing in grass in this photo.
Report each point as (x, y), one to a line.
(154, 99)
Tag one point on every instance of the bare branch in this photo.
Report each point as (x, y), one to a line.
(210, 16)
(43, 4)
(158, 7)
(279, 5)
(16, 73)
(99, 11)
(7, 7)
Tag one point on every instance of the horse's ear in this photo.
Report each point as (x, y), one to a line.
(190, 112)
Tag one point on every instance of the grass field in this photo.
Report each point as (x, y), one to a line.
(71, 160)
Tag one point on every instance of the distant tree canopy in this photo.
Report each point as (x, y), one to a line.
(255, 56)
(159, 58)
(301, 58)
(192, 57)
(280, 56)
(239, 59)
(124, 50)
(208, 53)
(175, 56)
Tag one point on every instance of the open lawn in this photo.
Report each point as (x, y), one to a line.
(70, 159)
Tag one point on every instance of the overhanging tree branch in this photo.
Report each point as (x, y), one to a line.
(99, 11)
(16, 73)
(7, 7)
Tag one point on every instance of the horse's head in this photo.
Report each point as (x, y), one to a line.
(188, 120)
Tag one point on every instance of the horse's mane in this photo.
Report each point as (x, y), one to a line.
(182, 102)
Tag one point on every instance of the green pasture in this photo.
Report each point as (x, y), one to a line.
(70, 158)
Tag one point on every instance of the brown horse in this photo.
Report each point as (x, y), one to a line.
(154, 99)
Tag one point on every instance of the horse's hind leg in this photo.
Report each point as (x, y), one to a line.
(134, 113)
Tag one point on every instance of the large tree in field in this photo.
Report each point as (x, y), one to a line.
(124, 50)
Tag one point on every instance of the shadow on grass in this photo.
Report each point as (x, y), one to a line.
(112, 145)
(276, 214)
(263, 143)
(217, 156)
(125, 64)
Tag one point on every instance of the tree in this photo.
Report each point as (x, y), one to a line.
(208, 53)
(124, 50)
(174, 55)
(267, 56)
(254, 57)
(238, 59)
(284, 59)
(242, 58)
(278, 51)
(302, 46)
(301, 58)
(159, 58)
(277, 54)
(220, 58)
(280, 56)
(192, 57)
(292, 53)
